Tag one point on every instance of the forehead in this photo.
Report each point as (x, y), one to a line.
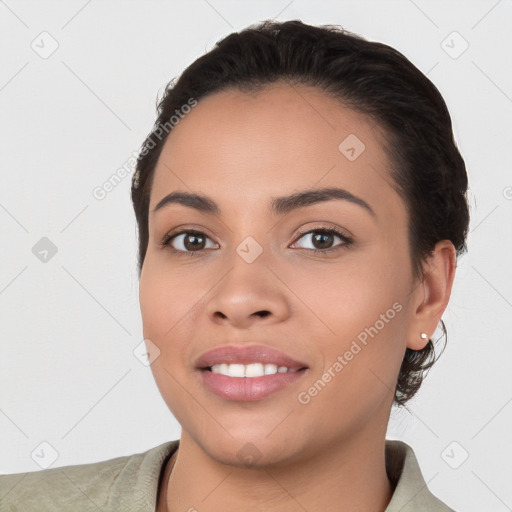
(249, 146)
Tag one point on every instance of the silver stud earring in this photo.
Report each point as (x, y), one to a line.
(424, 336)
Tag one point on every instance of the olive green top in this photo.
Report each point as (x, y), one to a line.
(130, 483)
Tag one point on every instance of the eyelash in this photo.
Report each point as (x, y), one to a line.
(347, 242)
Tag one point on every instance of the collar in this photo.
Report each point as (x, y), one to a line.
(411, 492)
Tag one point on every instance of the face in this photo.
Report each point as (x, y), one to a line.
(323, 279)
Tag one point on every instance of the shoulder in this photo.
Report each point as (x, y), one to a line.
(411, 493)
(97, 486)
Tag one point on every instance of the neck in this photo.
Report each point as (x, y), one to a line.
(349, 476)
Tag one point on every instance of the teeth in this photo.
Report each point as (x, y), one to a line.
(253, 370)
(270, 369)
(236, 370)
(249, 370)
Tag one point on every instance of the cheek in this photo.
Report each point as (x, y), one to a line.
(360, 363)
(360, 326)
(353, 293)
(168, 301)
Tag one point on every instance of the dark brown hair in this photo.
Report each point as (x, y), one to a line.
(369, 77)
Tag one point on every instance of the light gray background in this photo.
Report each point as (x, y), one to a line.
(69, 326)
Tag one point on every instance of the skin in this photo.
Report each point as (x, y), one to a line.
(242, 150)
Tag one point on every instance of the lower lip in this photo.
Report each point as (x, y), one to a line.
(248, 389)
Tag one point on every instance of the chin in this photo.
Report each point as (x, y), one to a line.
(250, 447)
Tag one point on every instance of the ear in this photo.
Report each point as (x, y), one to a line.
(432, 294)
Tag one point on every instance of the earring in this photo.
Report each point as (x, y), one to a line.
(424, 336)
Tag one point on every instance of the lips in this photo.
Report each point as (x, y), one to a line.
(230, 354)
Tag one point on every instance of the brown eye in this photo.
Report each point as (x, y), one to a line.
(192, 242)
(188, 241)
(324, 239)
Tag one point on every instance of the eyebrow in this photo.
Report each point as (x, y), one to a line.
(278, 205)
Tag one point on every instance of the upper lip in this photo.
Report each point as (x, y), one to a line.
(231, 354)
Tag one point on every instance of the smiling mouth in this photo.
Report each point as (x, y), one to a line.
(250, 370)
(236, 382)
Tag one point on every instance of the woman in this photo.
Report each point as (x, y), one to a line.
(300, 204)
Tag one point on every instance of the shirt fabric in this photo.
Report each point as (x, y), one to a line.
(130, 483)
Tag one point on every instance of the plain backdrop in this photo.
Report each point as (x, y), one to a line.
(78, 85)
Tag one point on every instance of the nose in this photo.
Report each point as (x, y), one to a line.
(248, 294)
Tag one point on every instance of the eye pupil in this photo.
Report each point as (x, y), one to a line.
(193, 245)
(325, 240)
